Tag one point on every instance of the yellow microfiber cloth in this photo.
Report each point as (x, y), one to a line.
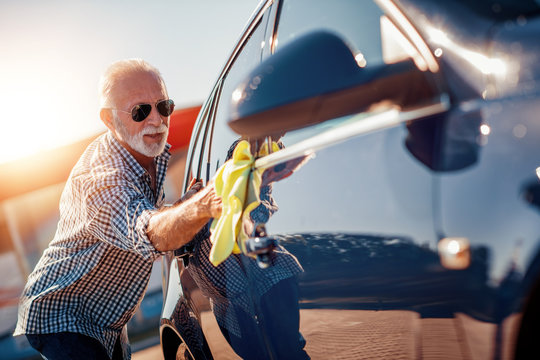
(238, 184)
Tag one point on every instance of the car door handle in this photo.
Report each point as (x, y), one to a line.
(261, 246)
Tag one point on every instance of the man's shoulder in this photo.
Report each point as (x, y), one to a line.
(101, 163)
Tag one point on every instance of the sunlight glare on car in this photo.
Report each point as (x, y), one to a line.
(453, 247)
(488, 66)
(236, 95)
(360, 60)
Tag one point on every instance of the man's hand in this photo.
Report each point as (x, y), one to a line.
(194, 186)
(174, 227)
(210, 200)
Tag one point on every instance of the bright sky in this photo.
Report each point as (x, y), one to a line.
(53, 52)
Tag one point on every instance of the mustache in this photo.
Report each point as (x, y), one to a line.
(150, 130)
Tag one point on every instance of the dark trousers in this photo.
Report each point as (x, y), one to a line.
(71, 346)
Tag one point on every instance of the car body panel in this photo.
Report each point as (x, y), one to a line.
(368, 217)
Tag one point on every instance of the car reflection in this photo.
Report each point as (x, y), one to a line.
(356, 287)
(387, 296)
(252, 304)
(374, 272)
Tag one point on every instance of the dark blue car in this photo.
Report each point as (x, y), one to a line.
(399, 207)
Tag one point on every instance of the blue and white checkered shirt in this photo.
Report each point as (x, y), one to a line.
(93, 275)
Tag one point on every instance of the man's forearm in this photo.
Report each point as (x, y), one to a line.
(175, 226)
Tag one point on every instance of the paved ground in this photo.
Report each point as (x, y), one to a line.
(361, 334)
(151, 353)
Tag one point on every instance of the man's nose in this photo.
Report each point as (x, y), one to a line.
(154, 118)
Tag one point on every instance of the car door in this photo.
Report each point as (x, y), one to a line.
(356, 211)
(356, 216)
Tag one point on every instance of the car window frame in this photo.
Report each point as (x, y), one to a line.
(207, 115)
(267, 9)
(200, 124)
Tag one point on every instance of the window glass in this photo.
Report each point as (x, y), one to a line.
(357, 22)
(247, 59)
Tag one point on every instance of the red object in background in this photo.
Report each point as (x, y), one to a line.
(53, 166)
(181, 126)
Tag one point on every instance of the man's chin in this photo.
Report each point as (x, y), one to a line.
(146, 145)
(148, 150)
(153, 151)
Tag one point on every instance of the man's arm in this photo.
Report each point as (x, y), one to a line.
(173, 227)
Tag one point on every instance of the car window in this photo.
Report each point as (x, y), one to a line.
(248, 57)
(357, 22)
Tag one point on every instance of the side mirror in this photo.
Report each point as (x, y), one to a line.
(316, 78)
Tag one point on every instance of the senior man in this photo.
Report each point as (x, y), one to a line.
(93, 275)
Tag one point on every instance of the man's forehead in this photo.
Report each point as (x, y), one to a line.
(138, 86)
(138, 79)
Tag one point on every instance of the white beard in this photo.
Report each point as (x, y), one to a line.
(136, 141)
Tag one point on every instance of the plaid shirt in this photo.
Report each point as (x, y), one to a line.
(93, 275)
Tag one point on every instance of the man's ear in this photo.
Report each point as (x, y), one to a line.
(106, 116)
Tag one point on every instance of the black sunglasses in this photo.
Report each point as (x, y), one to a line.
(141, 111)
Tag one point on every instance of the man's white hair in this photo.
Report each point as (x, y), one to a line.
(116, 71)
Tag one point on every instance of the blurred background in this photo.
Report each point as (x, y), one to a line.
(52, 55)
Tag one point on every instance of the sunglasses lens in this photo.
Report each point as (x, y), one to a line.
(141, 112)
(165, 107)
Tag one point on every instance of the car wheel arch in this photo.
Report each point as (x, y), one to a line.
(171, 342)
